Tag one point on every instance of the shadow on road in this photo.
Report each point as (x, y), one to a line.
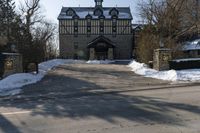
(60, 95)
(6, 126)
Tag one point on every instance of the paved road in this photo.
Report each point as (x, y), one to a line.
(84, 98)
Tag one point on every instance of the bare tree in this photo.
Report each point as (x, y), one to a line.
(31, 13)
(167, 21)
(38, 33)
(46, 33)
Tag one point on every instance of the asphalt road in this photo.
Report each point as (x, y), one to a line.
(82, 98)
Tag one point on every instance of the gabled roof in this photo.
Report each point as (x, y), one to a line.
(82, 12)
(194, 45)
(101, 39)
(138, 26)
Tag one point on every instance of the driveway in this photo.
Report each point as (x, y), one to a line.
(84, 98)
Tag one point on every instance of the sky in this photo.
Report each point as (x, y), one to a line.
(51, 8)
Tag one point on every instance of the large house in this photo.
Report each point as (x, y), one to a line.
(96, 32)
(192, 49)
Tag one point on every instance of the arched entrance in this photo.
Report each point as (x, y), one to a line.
(101, 51)
(101, 48)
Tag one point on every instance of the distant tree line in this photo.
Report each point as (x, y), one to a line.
(168, 23)
(32, 35)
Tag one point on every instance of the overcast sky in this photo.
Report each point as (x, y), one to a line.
(53, 7)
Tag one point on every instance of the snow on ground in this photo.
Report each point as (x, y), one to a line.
(100, 61)
(171, 75)
(13, 83)
(188, 59)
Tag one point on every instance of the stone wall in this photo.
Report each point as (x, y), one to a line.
(123, 44)
(12, 63)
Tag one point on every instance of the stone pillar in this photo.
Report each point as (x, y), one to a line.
(161, 59)
(110, 53)
(12, 64)
(92, 54)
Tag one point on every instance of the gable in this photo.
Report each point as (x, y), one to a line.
(108, 12)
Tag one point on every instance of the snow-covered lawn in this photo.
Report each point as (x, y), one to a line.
(13, 83)
(171, 75)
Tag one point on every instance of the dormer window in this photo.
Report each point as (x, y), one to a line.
(98, 12)
(70, 12)
(114, 12)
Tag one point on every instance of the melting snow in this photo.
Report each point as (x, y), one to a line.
(171, 75)
(13, 83)
(100, 61)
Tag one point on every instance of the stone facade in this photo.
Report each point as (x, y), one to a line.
(68, 46)
(161, 59)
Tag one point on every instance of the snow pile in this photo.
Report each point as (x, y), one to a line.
(171, 75)
(189, 75)
(100, 61)
(11, 84)
(46, 66)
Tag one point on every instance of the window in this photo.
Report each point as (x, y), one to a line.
(76, 27)
(88, 29)
(101, 26)
(198, 52)
(76, 45)
(114, 27)
(88, 26)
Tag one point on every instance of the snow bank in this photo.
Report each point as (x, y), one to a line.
(171, 75)
(100, 61)
(11, 84)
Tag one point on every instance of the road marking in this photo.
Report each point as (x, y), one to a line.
(15, 113)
